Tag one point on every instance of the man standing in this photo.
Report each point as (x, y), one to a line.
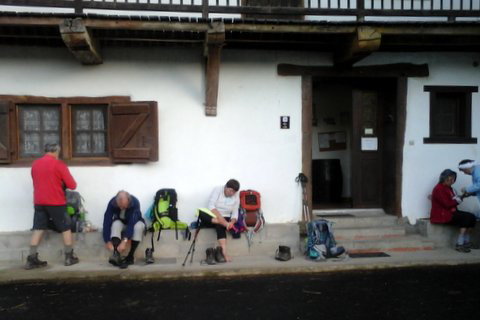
(123, 222)
(50, 178)
(470, 168)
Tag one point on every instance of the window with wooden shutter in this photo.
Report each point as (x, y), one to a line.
(89, 131)
(134, 132)
(38, 125)
(5, 155)
(450, 114)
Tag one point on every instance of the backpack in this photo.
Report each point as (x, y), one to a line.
(250, 202)
(163, 215)
(321, 242)
(75, 210)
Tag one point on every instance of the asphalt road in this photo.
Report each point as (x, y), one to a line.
(441, 292)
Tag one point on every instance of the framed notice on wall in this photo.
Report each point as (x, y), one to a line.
(334, 140)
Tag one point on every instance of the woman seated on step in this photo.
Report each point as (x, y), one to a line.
(444, 210)
(222, 213)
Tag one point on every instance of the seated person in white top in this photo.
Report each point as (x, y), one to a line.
(222, 213)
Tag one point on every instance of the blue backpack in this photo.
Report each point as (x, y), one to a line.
(321, 242)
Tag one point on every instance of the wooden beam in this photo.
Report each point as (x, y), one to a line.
(307, 114)
(365, 41)
(214, 40)
(78, 40)
(373, 71)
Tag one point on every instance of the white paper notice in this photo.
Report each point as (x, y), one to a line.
(323, 141)
(369, 144)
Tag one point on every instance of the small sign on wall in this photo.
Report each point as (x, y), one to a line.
(369, 144)
(285, 122)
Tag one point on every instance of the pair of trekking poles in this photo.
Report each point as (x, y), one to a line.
(303, 180)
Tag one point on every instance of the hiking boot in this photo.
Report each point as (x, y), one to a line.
(149, 256)
(126, 262)
(210, 256)
(71, 259)
(33, 262)
(461, 248)
(219, 257)
(115, 259)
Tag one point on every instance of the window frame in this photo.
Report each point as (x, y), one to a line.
(66, 125)
(466, 91)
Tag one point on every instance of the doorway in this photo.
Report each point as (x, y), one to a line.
(354, 143)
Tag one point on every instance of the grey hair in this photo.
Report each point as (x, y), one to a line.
(123, 192)
(52, 147)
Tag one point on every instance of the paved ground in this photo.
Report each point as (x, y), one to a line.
(426, 292)
(245, 265)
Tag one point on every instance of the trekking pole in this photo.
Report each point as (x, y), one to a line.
(192, 246)
(302, 179)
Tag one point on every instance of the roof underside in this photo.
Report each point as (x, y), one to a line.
(137, 31)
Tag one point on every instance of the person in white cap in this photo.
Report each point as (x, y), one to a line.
(469, 167)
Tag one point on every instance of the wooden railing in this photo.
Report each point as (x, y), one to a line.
(275, 9)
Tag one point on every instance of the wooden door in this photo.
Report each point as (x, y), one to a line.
(367, 149)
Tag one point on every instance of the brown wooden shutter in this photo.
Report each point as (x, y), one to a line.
(133, 130)
(5, 149)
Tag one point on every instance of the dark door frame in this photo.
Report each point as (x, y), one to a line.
(400, 72)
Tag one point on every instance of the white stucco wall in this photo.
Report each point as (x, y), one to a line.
(422, 163)
(196, 152)
(244, 141)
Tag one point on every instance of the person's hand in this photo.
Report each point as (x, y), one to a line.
(109, 245)
(463, 190)
(230, 225)
(121, 247)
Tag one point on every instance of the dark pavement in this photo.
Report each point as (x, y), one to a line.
(436, 292)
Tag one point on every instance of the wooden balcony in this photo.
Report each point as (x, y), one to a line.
(273, 9)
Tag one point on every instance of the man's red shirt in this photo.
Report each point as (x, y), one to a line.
(50, 176)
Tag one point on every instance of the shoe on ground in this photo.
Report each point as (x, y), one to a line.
(210, 256)
(219, 256)
(461, 248)
(115, 259)
(71, 259)
(149, 256)
(33, 262)
(127, 261)
(468, 245)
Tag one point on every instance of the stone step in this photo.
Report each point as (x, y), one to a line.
(364, 221)
(408, 243)
(14, 246)
(369, 233)
(354, 212)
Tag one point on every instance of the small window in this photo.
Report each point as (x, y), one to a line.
(89, 131)
(450, 114)
(38, 125)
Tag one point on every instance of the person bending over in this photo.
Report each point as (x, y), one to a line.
(123, 222)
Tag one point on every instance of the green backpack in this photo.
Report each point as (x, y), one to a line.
(164, 216)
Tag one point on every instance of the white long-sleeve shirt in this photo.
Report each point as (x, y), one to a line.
(227, 206)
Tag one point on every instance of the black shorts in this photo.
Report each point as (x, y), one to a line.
(51, 216)
(206, 222)
(463, 219)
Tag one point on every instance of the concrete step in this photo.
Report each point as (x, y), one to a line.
(354, 212)
(364, 221)
(14, 246)
(369, 233)
(408, 243)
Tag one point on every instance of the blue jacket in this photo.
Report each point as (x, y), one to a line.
(475, 186)
(132, 216)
